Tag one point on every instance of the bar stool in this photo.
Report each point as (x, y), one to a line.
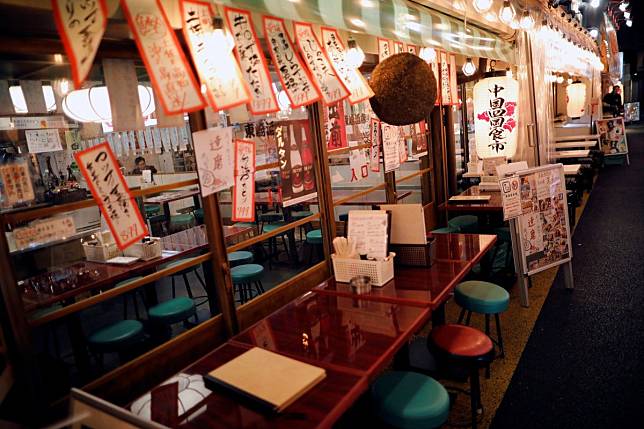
(173, 311)
(410, 400)
(272, 242)
(151, 210)
(268, 218)
(240, 257)
(199, 216)
(314, 240)
(181, 221)
(116, 337)
(244, 277)
(466, 224)
(184, 275)
(465, 346)
(445, 230)
(49, 329)
(486, 298)
(298, 215)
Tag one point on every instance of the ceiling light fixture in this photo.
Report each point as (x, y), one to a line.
(507, 13)
(482, 5)
(469, 68)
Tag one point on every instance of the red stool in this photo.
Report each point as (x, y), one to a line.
(466, 346)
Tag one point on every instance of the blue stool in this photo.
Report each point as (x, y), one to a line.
(410, 400)
(484, 298)
(445, 230)
(466, 224)
(244, 277)
(199, 216)
(314, 240)
(240, 257)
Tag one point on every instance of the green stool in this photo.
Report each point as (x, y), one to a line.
(240, 257)
(199, 216)
(445, 230)
(182, 221)
(466, 224)
(486, 298)
(116, 338)
(268, 218)
(272, 242)
(314, 241)
(301, 215)
(246, 275)
(184, 275)
(410, 400)
(173, 311)
(152, 210)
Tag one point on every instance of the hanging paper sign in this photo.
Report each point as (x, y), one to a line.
(214, 156)
(446, 93)
(453, 84)
(16, 184)
(374, 136)
(334, 126)
(132, 139)
(214, 60)
(33, 122)
(295, 157)
(402, 145)
(291, 70)
(156, 136)
(412, 49)
(244, 193)
(358, 162)
(399, 47)
(352, 78)
(323, 73)
(43, 140)
(390, 153)
(101, 170)
(81, 25)
(252, 61)
(384, 49)
(171, 75)
(44, 231)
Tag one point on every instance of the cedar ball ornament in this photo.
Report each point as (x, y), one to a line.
(405, 89)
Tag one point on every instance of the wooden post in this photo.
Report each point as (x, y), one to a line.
(450, 150)
(390, 187)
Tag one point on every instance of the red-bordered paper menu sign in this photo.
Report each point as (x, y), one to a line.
(172, 78)
(104, 178)
(81, 25)
(384, 49)
(244, 192)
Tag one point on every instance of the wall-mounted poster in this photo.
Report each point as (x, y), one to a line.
(295, 155)
(612, 135)
(632, 112)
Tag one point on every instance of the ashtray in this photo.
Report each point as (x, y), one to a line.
(360, 284)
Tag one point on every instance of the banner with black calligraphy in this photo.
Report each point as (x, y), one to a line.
(101, 170)
(374, 137)
(403, 153)
(295, 156)
(169, 71)
(81, 25)
(334, 126)
(390, 136)
(244, 192)
(323, 73)
(358, 162)
(351, 77)
(213, 58)
(214, 155)
(291, 70)
(399, 48)
(252, 61)
(445, 80)
(384, 49)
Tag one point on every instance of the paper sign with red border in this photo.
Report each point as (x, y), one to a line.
(453, 83)
(248, 51)
(412, 49)
(399, 47)
(172, 79)
(374, 136)
(385, 49)
(81, 33)
(128, 230)
(244, 207)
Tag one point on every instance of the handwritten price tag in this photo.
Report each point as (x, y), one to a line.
(244, 195)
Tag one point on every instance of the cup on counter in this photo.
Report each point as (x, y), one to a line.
(360, 284)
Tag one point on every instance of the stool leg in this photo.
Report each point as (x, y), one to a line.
(487, 325)
(461, 316)
(174, 292)
(498, 334)
(203, 283)
(188, 289)
(469, 316)
(261, 286)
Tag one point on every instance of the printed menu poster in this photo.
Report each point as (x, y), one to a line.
(417, 136)
(295, 156)
(612, 135)
(47, 140)
(369, 230)
(334, 126)
(511, 197)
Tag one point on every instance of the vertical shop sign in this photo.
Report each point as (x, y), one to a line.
(390, 153)
(358, 162)
(218, 70)
(244, 192)
(214, 156)
(446, 93)
(81, 24)
(334, 126)
(374, 137)
(104, 178)
(296, 162)
(402, 145)
(384, 49)
(291, 70)
(252, 61)
(16, 182)
(453, 84)
(399, 48)
(324, 76)
(172, 77)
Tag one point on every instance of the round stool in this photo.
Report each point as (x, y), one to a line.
(466, 224)
(481, 297)
(268, 218)
(301, 214)
(246, 275)
(184, 275)
(199, 216)
(151, 210)
(240, 257)
(410, 400)
(314, 241)
(182, 221)
(463, 345)
(116, 338)
(445, 230)
(272, 241)
(172, 311)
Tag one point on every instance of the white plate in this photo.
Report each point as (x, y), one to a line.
(122, 260)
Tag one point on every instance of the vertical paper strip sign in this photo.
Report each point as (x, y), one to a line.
(81, 25)
(214, 156)
(291, 70)
(384, 49)
(323, 73)
(251, 59)
(244, 192)
(101, 170)
(213, 57)
(412, 49)
(351, 77)
(170, 73)
(374, 136)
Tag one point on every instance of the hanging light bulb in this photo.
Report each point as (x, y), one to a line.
(482, 5)
(469, 68)
(629, 22)
(594, 33)
(623, 5)
(508, 73)
(354, 56)
(428, 55)
(569, 81)
(527, 21)
(627, 15)
(560, 79)
(507, 13)
(221, 38)
(514, 24)
(594, 3)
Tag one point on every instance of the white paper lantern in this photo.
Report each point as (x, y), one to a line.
(495, 116)
(576, 100)
(93, 104)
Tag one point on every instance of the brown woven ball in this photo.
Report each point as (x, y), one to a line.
(405, 89)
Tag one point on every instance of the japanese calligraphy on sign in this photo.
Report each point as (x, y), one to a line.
(374, 137)
(358, 162)
(215, 62)
(398, 47)
(214, 156)
(16, 182)
(334, 126)
(244, 195)
(445, 81)
(81, 24)
(412, 49)
(352, 78)
(323, 73)
(47, 140)
(101, 170)
(172, 78)
(44, 231)
(291, 70)
(390, 151)
(252, 61)
(384, 49)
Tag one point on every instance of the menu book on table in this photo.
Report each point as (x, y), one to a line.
(264, 380)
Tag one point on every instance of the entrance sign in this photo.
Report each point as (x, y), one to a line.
(612, 135)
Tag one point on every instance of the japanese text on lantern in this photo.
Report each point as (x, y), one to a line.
(497, 113)
(104, 178)
(294, 78)
(173, 81)
(252, 61)
(244, 196)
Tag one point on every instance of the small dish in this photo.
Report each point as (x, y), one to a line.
(360, 284)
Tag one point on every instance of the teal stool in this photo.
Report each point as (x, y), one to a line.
(486, 298)
(301, 215)
(314, 241)
(173, 311)
(184, 275)
(244, 277)
(445, 230)
(272, 242)
(466, 224)
(240, 257)
(152, 210)
(268, 218)
(410, 400)
(116, 338)
(182, 221)
(199, 216)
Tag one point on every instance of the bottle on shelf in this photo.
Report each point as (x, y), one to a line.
(307, 163)
(296, 165)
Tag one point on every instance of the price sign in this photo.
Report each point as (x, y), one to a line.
(47, 140)
(390, 136)
(45, 231)
(384, 49)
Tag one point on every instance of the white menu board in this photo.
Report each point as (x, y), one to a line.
(369, 229)
(46, 140)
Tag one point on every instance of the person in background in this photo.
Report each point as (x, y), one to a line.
(613, 101)
(140, 165)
